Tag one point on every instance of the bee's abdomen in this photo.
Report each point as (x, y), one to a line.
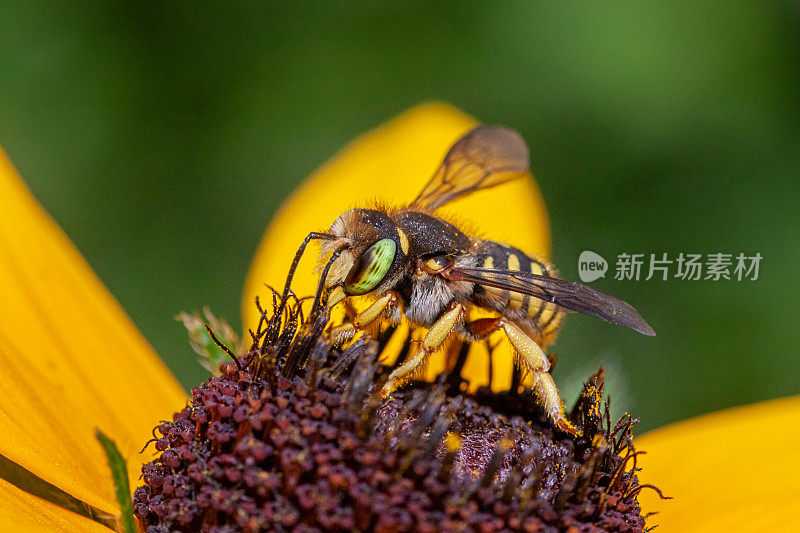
(543, 315)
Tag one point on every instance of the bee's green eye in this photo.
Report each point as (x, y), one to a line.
(370, 269)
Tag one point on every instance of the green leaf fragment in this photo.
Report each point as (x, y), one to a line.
(210, 354)
(119, 472)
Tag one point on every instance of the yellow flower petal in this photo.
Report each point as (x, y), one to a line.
(19, 511)
(391, 164)
(71, 359)
(736, 470)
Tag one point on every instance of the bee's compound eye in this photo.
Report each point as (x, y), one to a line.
(370, 269)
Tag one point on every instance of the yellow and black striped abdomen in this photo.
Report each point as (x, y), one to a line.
(543, 317)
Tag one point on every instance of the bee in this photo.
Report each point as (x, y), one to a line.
(418, 266)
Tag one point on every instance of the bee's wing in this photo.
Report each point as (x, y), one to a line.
(486, 156)
(567, 294)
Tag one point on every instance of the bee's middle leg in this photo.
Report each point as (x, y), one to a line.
(433, 340)
(388, 304)
(533, 359)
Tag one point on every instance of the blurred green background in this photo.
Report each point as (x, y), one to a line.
(162, 138)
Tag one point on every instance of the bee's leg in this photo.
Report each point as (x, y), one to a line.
(432, 341)
(534, 360)
(388, 304)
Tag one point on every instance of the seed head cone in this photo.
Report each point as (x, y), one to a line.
(294, 436)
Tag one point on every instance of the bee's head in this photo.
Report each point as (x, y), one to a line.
(375, 254)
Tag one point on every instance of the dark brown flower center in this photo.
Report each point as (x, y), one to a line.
(298, 439)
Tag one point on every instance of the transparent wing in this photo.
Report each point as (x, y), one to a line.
(486, 156)
(567, 294)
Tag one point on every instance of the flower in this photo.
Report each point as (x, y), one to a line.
(296, 435)
(72, 361)
(734, 470)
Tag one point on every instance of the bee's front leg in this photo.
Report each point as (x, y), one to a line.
(433, 340)
(533, 359)
(387, 305)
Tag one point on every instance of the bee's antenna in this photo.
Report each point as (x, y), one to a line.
(296, 261)
(323, 277)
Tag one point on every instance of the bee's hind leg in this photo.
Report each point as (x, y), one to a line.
(534, 360)
(433, 340)
(388, 304)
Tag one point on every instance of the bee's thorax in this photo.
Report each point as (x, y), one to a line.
(428, 235)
